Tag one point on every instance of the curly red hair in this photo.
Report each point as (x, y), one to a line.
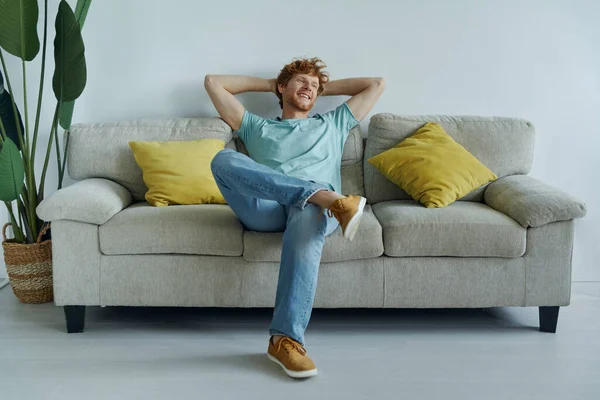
(309, 66)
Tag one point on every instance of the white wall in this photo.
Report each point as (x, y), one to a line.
(535, 59)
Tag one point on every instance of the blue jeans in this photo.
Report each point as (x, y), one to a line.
(265, 200)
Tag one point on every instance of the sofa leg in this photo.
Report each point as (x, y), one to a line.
(548, 319)
(75, 316)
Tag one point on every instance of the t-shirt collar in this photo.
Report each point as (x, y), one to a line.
(279, 118)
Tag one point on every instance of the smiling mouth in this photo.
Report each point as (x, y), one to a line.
(304, 96)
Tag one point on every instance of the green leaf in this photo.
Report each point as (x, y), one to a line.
(70, 71)
(7, 114)
(12, 171)
(18, 28)
(66, 114)
(66, 109)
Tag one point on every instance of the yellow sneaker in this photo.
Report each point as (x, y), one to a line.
(291, 356)
(348, 211)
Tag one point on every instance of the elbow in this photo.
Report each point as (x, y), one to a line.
(208, 80)
(378, 86)
(379, 83)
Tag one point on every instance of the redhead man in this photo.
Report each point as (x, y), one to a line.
(291, 183)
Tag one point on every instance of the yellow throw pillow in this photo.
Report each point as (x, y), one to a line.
(432, 168)
(179, 172)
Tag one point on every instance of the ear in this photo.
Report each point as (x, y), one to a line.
(280, 87)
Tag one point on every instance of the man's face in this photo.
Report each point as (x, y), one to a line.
(300, 92)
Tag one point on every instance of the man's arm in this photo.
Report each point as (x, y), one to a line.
(222, 88)
(364, 92)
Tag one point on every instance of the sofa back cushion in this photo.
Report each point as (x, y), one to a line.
(102, 150)
(352, 163)
(504, 145)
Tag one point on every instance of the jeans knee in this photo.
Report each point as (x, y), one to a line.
(307, 225)
(220, 159)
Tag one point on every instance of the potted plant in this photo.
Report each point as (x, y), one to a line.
(28, 255)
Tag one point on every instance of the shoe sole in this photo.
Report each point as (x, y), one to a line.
(354, 223)
(293, 374)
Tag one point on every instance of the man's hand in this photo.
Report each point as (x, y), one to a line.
(364, 91)
(222, 88)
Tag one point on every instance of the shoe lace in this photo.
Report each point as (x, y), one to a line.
(336, 207)
(288, 343)
(329, 213)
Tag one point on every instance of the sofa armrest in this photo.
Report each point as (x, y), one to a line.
(531, 202)
(94, 201)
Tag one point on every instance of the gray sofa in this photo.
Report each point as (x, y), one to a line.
(505, 244)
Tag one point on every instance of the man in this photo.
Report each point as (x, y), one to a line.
(291, 177)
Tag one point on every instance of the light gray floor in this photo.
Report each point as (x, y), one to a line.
(176, 353)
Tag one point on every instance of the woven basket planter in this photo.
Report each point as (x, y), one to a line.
(29, 268)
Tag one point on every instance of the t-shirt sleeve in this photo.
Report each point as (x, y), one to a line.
(343, 118)
(251, 123)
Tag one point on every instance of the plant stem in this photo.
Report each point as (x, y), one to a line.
(42, 76)
(58, 156)
(25, 104)
(23, 205)
(40, 194)
(25, 197)
(22, 214)
(31, 175)
(62, 170)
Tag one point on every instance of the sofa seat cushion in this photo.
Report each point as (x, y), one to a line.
(463, 229)
(368, 243)
(207, 229)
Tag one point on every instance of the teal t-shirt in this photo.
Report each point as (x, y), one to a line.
(305, 148)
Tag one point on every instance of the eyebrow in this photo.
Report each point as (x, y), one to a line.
(303, 78)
